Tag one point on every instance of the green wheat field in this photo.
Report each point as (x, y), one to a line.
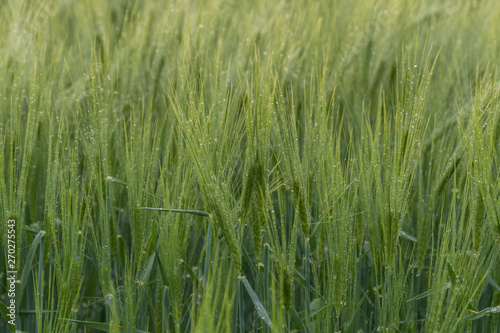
(249, 166)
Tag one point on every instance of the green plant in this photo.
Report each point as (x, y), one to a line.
(250, 166)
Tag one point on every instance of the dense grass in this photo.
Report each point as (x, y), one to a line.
(251, 166)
